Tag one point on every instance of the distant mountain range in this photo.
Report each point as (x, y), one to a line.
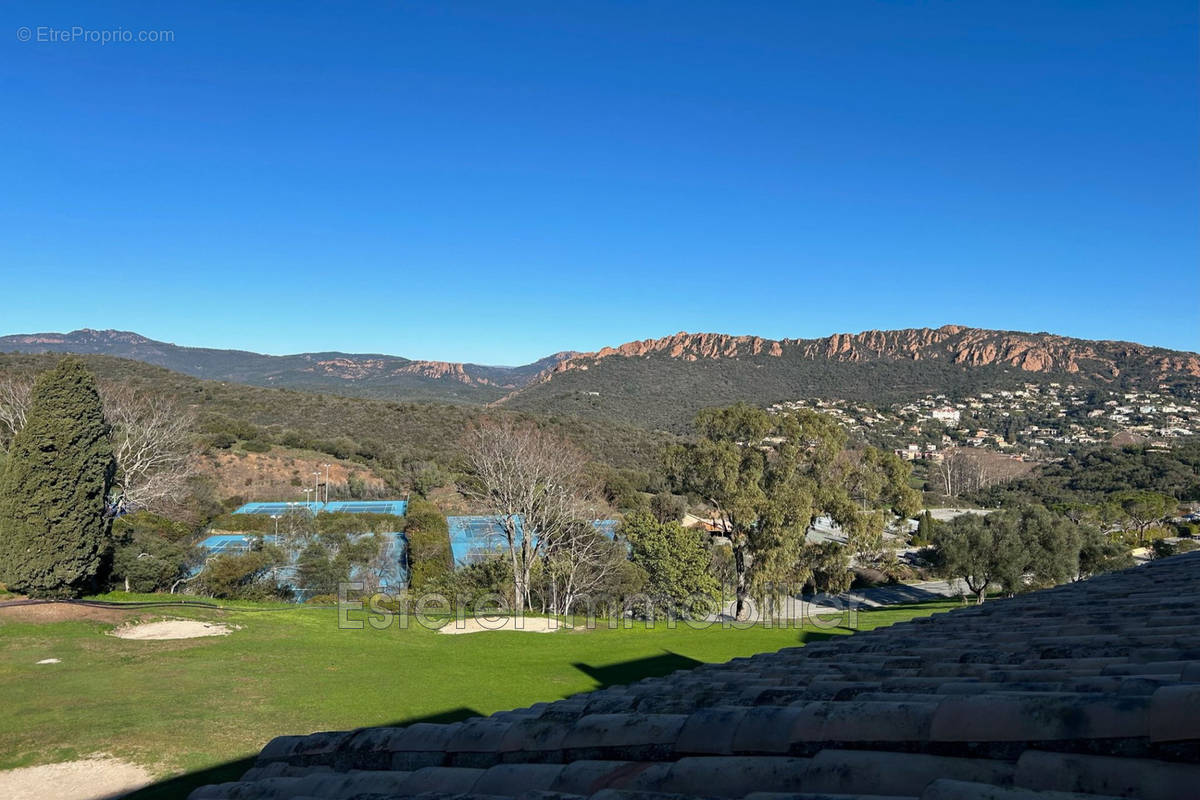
(661, 382)
(355, 374)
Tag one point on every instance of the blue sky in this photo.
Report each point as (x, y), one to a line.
(495, 181)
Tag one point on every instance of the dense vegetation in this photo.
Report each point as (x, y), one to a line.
(765, 477)
(1014, 551)
(1094, 475)
(664, 393)
(398, 439)
(429, 556)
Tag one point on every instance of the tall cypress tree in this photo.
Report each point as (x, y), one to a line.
(54, 532)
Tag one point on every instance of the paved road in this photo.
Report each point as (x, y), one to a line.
(803, 607)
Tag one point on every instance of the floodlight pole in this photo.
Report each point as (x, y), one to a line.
(327, 466)
(317, 485)
(276, 518)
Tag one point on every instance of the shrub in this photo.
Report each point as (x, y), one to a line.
(221, 441)
(147, 562)
(341, 522)
(1187, 528)
(473, 584)
(667, 507)
(429, 555)
(242, 576)
(129, 525)
(319, 571)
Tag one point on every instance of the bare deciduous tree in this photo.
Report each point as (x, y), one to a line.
(152, 443)
(532, 483)
(961, 472)
(14, 402)
(580, 563)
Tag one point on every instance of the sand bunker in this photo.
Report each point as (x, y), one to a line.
(96, 778)
(528, 625)
(172, 629)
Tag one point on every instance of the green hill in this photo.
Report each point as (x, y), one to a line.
(396, 434)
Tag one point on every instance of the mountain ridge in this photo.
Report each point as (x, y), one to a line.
(974, 346)
(366, 374)
(661, 381)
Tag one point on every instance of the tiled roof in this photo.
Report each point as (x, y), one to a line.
(1086, 690)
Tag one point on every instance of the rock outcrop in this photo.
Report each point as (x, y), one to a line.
(1030, 352)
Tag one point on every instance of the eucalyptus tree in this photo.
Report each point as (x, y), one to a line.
(768, 477)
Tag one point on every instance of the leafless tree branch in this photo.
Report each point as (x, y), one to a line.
(152, 443)
(14, 403)
(533, 483)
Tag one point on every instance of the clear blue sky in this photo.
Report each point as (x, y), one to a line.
(493, 181)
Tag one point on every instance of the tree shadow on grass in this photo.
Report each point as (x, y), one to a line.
(636, 669)
(663, 664)
(181, 786)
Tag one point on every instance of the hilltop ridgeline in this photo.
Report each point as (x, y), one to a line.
(660, 383)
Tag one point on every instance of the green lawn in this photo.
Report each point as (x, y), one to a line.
(187, 705)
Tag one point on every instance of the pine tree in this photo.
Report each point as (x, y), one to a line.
(54, 532)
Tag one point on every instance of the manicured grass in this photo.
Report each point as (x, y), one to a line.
(191, 704)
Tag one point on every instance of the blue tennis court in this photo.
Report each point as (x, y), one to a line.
(279, 509)
(394, 507)
(477, 538)
(389, 571)
(607, 526)
(222, 543)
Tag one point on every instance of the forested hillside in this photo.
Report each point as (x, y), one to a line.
(661, 383)
(399, 437)
(1094, 475)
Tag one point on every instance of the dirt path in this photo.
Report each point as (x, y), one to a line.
(807, 606)
(96, 778)
(63, 612)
